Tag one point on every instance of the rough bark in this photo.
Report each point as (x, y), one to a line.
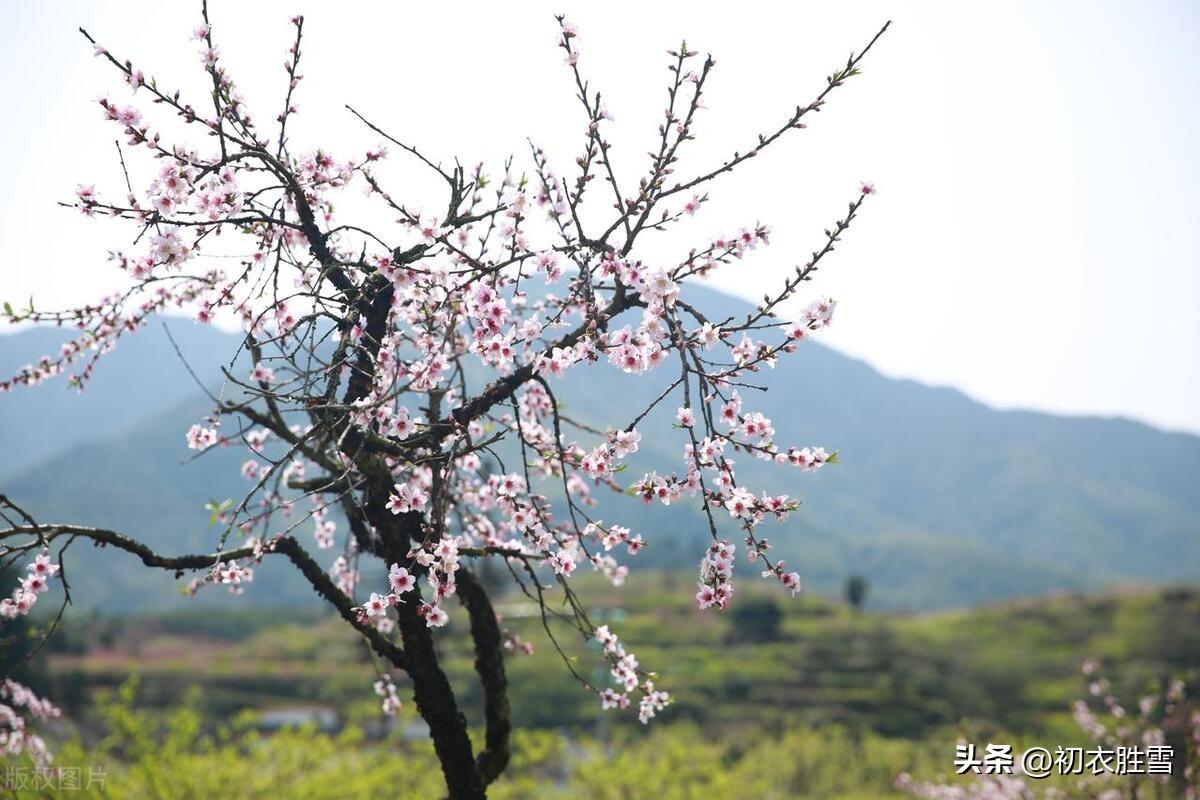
(432, 692)
(489, 664)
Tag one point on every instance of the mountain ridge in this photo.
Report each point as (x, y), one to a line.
(939, 500)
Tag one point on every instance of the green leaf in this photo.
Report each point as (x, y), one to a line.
(216, 509)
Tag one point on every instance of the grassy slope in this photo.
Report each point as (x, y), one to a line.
(1013, 666)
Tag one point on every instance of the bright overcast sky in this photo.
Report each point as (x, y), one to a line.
(1033, 242)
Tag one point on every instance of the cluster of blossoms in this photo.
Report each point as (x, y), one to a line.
(601, 462)
(324, 527)
(1113, 730)
(625, 672)
(440, 561)
(36, 580)
(344, 575)
(387, 690)
(513, 643)
(716, 576)
(234, 570)
(200, 437)
(407, 497)
(1128, 729)
(233, 575)
(707, 457)
(16, 701)
(401, 582)
(818, 315)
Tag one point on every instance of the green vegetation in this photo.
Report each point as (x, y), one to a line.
(856, 591)
(169, 757)
(776, 664)
(785, 698)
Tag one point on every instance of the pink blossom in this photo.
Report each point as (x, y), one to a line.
(262, 374)
(400, 579)
(563, 563)
(376, 605)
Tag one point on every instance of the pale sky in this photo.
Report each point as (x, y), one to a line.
(1033, 241)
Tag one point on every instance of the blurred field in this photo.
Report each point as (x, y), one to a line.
(805, 693)
(769, 661)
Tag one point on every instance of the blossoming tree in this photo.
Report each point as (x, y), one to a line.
(404, 377)
(1131, 757)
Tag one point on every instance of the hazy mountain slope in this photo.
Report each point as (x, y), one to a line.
(937, 499)
(1087, 500)
(141, 483)
(141, 378)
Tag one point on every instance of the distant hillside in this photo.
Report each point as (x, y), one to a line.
(144, 377)
(1014, 664)
(938, 500)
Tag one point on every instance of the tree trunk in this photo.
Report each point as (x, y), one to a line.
(432, 692)
(435, 700)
